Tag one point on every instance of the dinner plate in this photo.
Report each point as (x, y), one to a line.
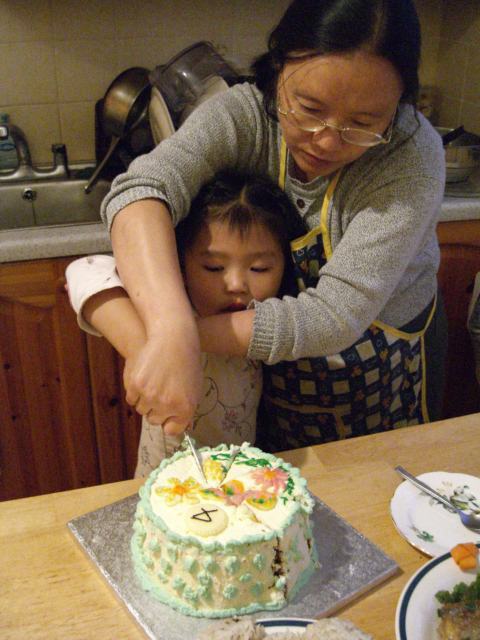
(278, 625)
(425, 522)
(416, 616)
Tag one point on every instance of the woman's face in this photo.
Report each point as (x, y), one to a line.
(357, 89)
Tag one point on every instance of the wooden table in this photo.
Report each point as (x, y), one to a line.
(49, 589)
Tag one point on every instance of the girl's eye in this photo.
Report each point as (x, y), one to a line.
(260, 269)
(212, 268)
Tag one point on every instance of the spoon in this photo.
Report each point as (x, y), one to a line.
(469, 519)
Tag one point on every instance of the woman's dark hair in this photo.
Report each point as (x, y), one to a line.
(387, 28)
(241, 200)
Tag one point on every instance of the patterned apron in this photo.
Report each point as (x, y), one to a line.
(375, 385)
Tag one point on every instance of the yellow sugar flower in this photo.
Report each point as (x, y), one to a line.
(214, 471)
(178, 491)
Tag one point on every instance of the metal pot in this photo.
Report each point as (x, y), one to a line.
(462, 155)
(124, 105)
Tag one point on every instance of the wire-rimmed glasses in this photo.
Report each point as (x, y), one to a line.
(312, 124)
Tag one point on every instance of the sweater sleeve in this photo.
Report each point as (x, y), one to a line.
(227, 131)
(387, 246)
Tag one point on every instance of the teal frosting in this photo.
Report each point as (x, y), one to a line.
(256, 589)
(204, 578)
(210, 564)
(230, 592)
(280, 583)
(258, 561)
(166, 566)
(172, 551)
(245, 577)
(232, 564)
(190, 594)
(153, 545)
(190, 564)
(178, 583)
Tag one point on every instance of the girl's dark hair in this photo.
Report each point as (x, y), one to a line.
(387, 28)
(241, 200)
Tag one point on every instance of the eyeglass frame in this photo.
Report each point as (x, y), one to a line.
(380, 138)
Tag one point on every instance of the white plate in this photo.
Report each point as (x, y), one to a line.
(416, 617)
(426, 523)
(278, 625)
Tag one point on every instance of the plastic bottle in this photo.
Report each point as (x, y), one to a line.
(8, 150)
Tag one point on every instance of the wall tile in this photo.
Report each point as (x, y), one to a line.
(470, 116)
(24, 20)
(77, 121)
(27, 73)
(449, 112)
(143, 52)
(40, 123)
(85, 68)
(81, 20)
(452, 68)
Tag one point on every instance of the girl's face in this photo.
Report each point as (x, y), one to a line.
(224, 271)
(359, 90)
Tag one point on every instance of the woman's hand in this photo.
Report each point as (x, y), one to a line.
(164, 379)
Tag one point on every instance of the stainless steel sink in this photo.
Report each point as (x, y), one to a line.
(52, 202)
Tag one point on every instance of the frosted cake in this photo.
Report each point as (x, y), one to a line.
(242, 543)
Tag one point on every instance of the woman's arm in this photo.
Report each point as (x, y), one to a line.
(166, 377)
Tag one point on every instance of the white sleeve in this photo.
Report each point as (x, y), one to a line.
(86, 277)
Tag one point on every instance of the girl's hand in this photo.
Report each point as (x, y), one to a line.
(164, 379)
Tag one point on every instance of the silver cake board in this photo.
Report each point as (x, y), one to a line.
(349, 565)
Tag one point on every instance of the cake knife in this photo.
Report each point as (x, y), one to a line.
(195, 456)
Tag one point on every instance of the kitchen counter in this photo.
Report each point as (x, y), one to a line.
(49, 588)
(73, 240)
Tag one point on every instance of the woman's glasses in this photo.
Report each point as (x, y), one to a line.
(361, 137)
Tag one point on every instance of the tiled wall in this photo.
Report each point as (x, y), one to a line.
(57, 57)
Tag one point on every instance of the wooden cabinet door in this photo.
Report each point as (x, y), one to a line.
(117, 425)
(47, 434)
(460, 262)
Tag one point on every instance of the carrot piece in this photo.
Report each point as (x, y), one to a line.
(465, 555)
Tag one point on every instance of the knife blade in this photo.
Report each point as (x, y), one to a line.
(196, 457)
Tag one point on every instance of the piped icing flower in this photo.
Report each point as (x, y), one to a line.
(267, 478)
(178, 491)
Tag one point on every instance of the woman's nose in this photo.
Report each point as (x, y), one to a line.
(328, 139)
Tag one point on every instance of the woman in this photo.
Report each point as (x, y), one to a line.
(332, 118)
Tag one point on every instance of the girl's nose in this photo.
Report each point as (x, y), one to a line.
(235, 281)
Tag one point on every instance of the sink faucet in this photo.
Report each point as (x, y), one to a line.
(25, 171)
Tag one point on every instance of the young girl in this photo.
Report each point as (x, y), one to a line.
(233, 249)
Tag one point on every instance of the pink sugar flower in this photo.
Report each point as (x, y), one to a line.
(271, 478)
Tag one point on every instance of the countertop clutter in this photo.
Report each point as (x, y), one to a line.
(50, 588)
(86, 238)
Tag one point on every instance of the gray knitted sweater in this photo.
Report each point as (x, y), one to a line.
(381, 220)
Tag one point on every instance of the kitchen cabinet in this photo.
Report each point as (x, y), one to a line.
(460, 262)
(63, 421)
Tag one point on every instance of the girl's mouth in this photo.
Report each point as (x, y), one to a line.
(235, 306)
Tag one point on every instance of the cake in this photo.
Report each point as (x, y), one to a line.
(240, 544)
